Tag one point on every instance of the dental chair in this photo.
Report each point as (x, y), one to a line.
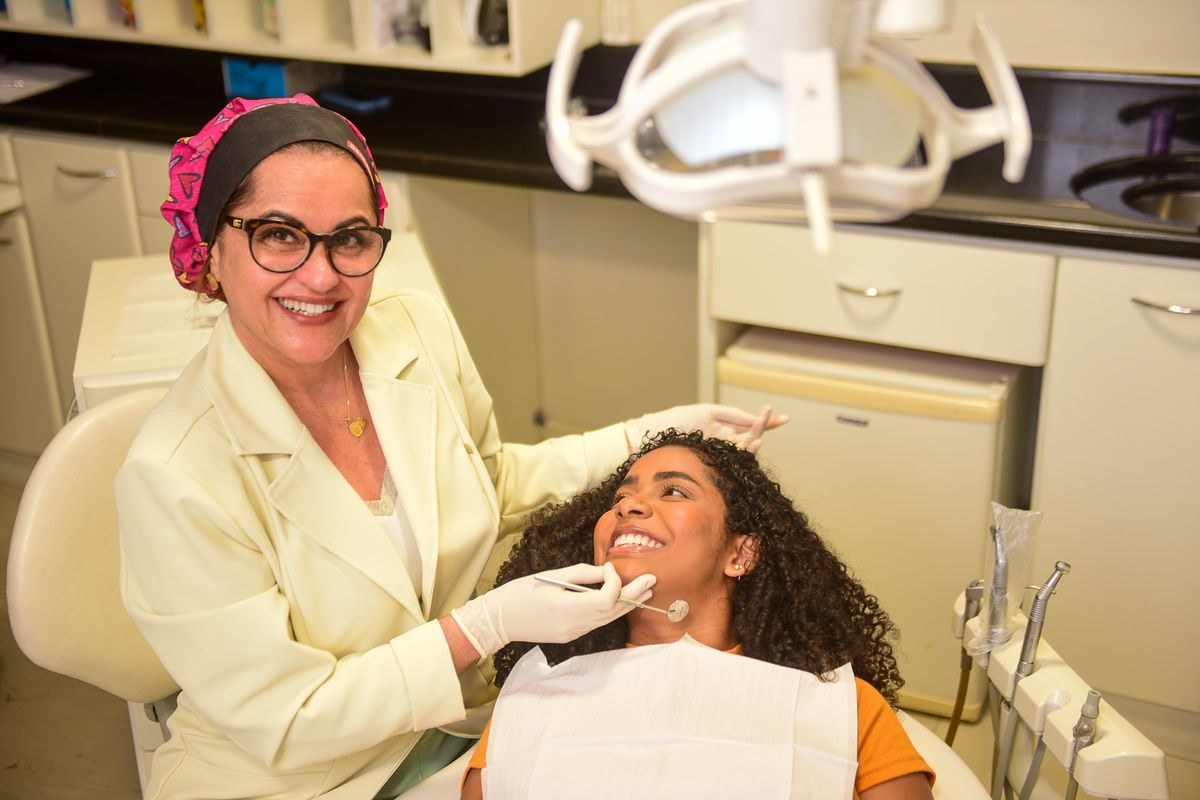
(63, 598)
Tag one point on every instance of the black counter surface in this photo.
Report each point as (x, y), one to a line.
(487, 128)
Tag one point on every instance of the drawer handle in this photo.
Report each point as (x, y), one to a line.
(5, 242)
(870, 291)
(98, 174)
(1173, 309)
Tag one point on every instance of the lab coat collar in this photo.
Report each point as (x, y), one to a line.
(258, 418)
(309, 490)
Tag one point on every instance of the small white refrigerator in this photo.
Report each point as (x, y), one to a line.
(895, 455)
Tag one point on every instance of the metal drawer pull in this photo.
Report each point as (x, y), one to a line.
(1162, 307)
(5, 242)
(99, 174)
(869, 291)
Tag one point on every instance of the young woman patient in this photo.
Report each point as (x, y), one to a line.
(702, 516)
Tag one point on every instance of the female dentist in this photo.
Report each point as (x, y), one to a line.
(305, 515)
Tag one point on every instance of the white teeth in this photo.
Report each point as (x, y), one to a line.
(307, 309)
(636, 540)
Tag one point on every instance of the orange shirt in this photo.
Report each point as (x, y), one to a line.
(884, 749)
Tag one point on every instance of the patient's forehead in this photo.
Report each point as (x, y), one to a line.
(669, 461)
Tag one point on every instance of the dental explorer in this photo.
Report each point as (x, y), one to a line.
(1083, 734)
(1033, 636)
(973, 596)
(675, 612)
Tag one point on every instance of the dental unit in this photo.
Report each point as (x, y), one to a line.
(785, 111)
(1120, 761)
(676, 612)
(1025, 665)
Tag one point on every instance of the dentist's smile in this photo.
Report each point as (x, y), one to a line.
(305, 309)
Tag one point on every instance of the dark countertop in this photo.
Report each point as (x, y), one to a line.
(489, 129)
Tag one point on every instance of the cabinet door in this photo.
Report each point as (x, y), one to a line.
(79, 200)
(32, 409)
(148, 173)
(1117, 478)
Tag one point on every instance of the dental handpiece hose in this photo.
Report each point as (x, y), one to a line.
(1083, 734)
(973, 596)
(1033, 636)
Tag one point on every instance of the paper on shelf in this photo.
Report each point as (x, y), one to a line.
(18, 81)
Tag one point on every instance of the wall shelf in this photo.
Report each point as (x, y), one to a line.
(339, 31)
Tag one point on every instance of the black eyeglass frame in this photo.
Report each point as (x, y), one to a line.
(251, 225)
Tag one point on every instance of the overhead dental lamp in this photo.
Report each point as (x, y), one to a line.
(785, 110)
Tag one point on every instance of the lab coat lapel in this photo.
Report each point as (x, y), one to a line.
(404, 413)
(308, 491)
(336, 516)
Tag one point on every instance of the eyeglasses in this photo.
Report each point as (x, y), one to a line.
(283, 247)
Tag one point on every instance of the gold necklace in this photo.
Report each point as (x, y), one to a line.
(356, 425)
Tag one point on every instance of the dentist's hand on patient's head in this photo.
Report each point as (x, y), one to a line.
(715, 421)
(529, 610)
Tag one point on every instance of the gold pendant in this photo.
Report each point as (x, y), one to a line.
(358, 426)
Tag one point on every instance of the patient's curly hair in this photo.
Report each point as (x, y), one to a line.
(799, 607)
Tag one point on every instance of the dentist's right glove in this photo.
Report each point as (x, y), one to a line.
(529, 610)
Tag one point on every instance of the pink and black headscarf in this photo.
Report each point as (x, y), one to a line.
(207, 168)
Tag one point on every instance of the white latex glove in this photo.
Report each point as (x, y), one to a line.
(715, 421)
(529, 610)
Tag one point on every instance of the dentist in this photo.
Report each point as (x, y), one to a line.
(305, 515)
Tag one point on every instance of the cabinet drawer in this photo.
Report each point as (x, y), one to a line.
(975, 301)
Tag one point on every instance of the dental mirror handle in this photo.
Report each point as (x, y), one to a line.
(675, 613)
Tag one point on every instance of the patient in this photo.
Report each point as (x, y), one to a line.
(704, 518)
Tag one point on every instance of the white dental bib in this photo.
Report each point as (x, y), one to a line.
(666, 721)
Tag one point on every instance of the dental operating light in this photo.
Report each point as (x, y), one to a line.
(785, 110)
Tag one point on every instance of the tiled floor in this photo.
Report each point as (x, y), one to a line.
(61, 739)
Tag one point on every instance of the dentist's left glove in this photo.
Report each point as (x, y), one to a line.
(529, 610)
(713, 420)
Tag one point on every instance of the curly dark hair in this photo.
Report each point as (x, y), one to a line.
(799, 607)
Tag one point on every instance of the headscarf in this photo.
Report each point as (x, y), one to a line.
(207, 168)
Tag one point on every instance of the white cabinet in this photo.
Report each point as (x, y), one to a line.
(343, 31)
(32, 410)
(1094, 35)
(32, 402)
(983, 302)
(1117, 476)
(897, 442)
(79, 199)
(148, 168)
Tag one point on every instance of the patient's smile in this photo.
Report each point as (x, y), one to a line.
(628, 542)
